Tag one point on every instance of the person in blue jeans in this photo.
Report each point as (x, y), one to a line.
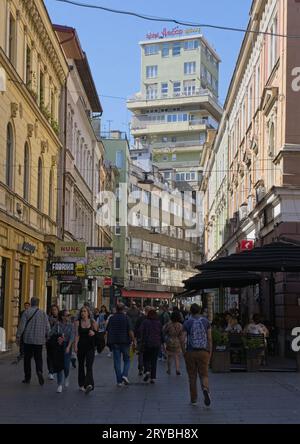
(119, 337)
(63, 335)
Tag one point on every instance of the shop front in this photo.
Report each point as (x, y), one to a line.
(22, 275)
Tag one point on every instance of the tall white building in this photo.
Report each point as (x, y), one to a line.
(177, 103)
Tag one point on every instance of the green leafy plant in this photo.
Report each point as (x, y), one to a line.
(45, 110)
(252, 343)
(55, 126)
(220, 339)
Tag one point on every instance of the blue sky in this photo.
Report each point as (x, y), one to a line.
(111, 42)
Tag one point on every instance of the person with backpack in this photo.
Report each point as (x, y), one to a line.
(198, 352)
(33, 329)
(173, 339)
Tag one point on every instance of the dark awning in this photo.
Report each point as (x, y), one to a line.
(274, 257)
(217, 279)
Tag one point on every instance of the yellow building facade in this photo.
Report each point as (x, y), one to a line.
(33, 74)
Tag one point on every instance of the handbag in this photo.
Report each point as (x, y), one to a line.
(99, 339)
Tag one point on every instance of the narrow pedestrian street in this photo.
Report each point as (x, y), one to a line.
(237, 398)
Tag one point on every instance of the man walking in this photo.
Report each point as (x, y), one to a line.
(119, 337)
(34, 328)
(198, 352)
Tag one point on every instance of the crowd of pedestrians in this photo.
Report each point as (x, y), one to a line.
(153, 334)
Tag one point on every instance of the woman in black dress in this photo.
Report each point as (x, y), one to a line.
(85, 349)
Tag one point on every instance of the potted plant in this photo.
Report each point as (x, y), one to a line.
(255, 349)
(220, 361)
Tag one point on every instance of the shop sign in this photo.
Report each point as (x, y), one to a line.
(62, 268)
(99, 261)
(246, 245)
(174, 32)
(71, 288)
(107, 281)
(70, 249)
(80, 270)
(28, 247)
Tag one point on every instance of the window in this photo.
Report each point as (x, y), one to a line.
(189, 87)
(151, 91)
(117, 228)
(42, 88)
(190, 68)
(151, 71)
(50, 212)
(202, 138)
(173, 118)
(9, 155)
(176, 49)
(250, 99)
(167, 175)
(257, 87)
(273, 45)
(52, 111)
(191, 44)
(176, 88)
(186, 176)
(26, 172)
(119, 159)
(174, 157)
(164, 89)
(12, 39)
(117, 261)
(151, 49)
(209, 77)
(215, 84)
(40, 185)
(28, 66)
(165, 50)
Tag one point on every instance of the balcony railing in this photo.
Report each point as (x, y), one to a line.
(158, 256)
(194, 93)
(162, 145)
(161, 119)
(18, 208)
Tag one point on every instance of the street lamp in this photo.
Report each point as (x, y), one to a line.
(146, 180)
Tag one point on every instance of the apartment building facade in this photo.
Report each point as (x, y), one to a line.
(177, 103)
(33, 72)
(262, 141)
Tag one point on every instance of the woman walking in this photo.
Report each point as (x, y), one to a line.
(173, 339)
(62, 338)
(53, 319)
(151, 340)
(85, 349)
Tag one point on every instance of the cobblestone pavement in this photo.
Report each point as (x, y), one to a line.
(237, 398)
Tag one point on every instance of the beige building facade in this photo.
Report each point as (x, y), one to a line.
(32, 77)
(261, 143)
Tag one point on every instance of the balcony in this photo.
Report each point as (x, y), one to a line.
(16, 207)
(143, 125)
(147, 283)
(202, 97)
(183, 144)
(159, 257)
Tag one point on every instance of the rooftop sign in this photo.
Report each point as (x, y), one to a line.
(175, 32)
